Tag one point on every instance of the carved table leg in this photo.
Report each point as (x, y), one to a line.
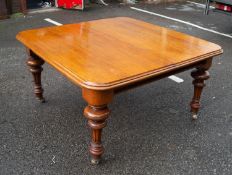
(96, 112)
(35, 64)
(200, 75)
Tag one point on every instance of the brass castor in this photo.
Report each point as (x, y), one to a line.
(42, 100)
(194, 116)
(95, 161)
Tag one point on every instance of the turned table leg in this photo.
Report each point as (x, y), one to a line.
(200, 75)
(96, 112)
(35, 66)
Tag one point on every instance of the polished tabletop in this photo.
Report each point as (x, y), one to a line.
(106, 53)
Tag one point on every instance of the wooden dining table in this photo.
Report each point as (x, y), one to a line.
(107, 56)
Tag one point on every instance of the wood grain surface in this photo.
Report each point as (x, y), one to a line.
(108, 53)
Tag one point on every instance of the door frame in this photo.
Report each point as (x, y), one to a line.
(23, 6)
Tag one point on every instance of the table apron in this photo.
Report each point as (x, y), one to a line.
(158, 77)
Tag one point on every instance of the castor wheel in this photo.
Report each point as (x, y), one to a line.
(95, 161)
(194, 116)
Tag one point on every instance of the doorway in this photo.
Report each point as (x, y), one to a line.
(37, 4)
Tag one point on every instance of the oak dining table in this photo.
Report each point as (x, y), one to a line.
(107, 56)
